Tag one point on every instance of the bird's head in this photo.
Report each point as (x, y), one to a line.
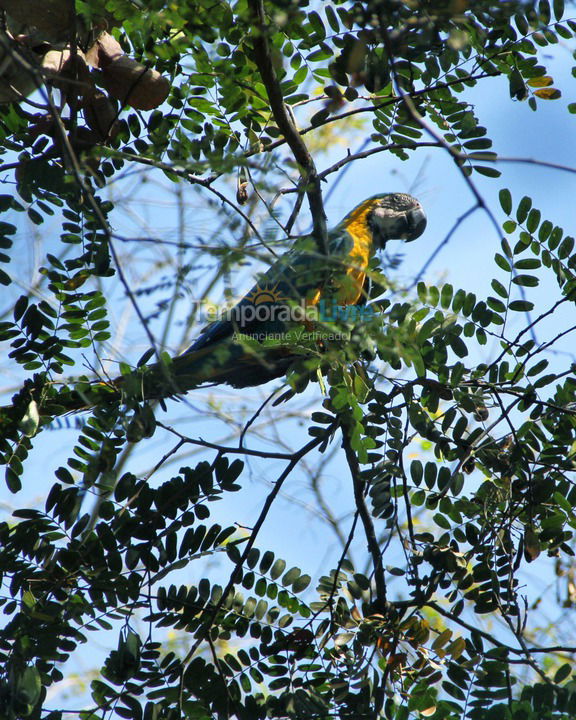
(393, 216)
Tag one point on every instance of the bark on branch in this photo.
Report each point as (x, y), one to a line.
(365, 517)
(311, 180)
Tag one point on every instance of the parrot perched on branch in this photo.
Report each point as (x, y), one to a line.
(235, 349)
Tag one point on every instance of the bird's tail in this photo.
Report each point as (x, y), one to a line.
(231, 362)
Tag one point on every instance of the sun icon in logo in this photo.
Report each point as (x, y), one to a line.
(265, 295)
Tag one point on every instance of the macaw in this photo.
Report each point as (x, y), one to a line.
(221, 354)
(305, 275)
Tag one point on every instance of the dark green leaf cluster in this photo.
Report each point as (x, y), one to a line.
(458, 426)
(74, 576)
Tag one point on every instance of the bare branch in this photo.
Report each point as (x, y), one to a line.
(204, 629)
(286, 125)
(370, 533)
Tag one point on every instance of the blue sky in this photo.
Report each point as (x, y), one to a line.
(294, 529)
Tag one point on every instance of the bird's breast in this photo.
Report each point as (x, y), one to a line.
(352, 282)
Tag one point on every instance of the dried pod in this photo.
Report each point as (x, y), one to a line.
(99, 113)
(68, 73)
(55, 60)
(134, 84)
(242, 193)
(105, 50)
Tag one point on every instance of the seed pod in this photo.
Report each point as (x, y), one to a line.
(134, 84)
(242, 193)
(66, 71)
(105, 50)
(99, 113)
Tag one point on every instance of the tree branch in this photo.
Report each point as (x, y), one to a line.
(369, 531)
(311, 180)
(204, 629)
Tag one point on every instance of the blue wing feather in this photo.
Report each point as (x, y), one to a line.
(293, 276)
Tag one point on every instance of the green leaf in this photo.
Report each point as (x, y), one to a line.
(20, 307)
(469, 304)
(301, 583)
(487, 171)
(528, 264)
(496, 305)
(277, 569)
(458, 346)
(35, 216)
(521, 306)
(418, 497)
(442, 521)
(533, 220)
(555, 238)
(319, 118)
(422, 292)
(523, 209)
(433, 295)
(526, 280)
(505, 200)
(502, 263)
(545, 380)
(517, 87)
(419, 315)
(564, 503)
(506, 248)
(317, 24)
(322, 54)
(418, 363)
(291, 576)
(458, 301)
(446, 296)
(300, 75)
(478, 144)
(416, 472)
(430, 475)
(563, 672)
(499, 288)
(566, 247)
(332, 18)
(12, 480)
(558, 9)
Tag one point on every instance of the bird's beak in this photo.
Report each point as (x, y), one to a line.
(416, 224)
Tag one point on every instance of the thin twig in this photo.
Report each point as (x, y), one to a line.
(444, 242)
(371, 540)
(223, 449)
(204, 629)
(369, 109)
(263, 59)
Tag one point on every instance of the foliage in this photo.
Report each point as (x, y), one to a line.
(491, 488)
